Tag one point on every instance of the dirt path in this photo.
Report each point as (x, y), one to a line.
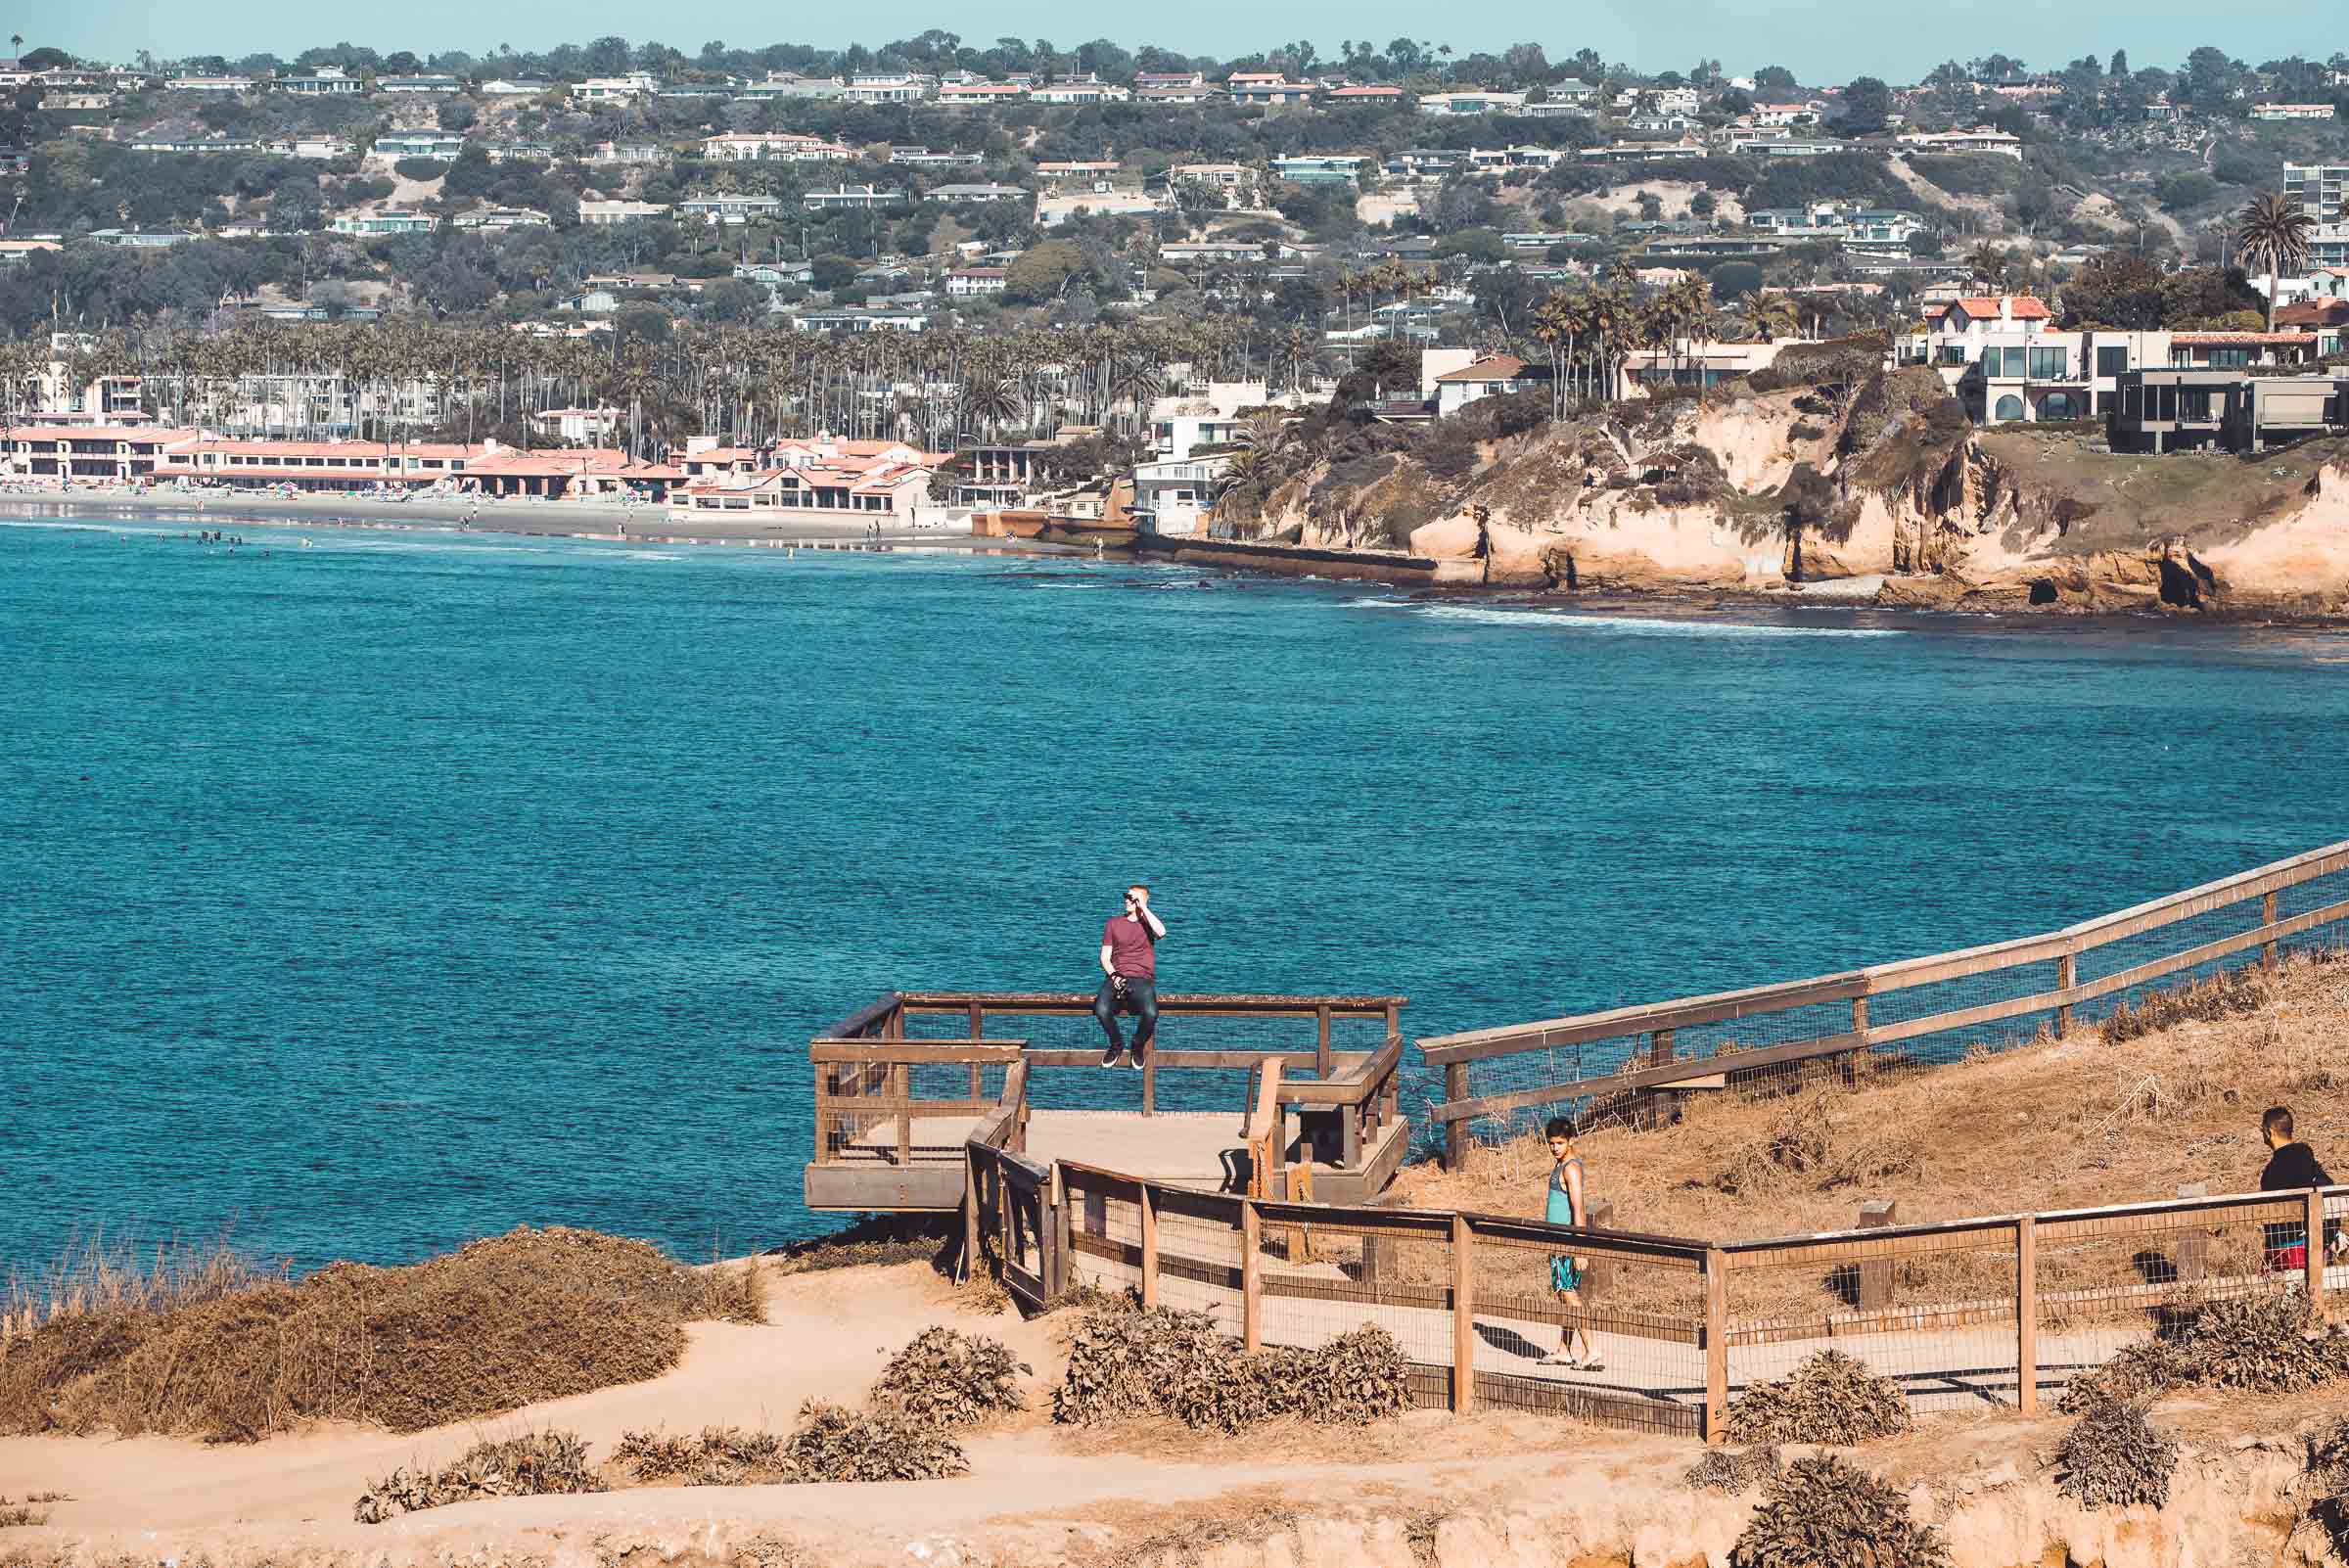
(826, 1337)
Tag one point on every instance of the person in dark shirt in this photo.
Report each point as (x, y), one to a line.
(1129, 976)
(2292, 1167)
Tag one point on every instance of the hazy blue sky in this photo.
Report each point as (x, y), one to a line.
(1819, 40)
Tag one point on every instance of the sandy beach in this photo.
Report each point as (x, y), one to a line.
(643, 523)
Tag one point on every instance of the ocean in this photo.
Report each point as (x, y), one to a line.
(367, 896)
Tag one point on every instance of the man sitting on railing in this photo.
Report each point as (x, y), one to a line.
(1129, 976)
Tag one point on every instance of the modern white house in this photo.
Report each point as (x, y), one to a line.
(1174, 495)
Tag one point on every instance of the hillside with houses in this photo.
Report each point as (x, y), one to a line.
(1109, 285)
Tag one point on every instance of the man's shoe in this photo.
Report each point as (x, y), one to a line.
(1135, 1060)
(1109, 1057)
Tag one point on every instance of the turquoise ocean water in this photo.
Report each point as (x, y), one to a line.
(374, 896)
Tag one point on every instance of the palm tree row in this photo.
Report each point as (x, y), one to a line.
(747, 386)
(1588, 333)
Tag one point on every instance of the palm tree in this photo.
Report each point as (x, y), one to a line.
(1776, 316)
(2276, 231)
(1988, 263)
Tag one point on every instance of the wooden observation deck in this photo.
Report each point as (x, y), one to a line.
(1305, 1086)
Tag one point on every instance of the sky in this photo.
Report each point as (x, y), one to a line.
(1821, 42)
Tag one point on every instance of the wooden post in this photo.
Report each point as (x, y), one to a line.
(1456, 1133)
(1252, 1279)
(1322, 1043)
(2267, 949)
(2026, 1314)
(1393, 1022)
(1463, 1316)
(1716, 1345)
(2191, 1255)
(1875, 1275)
(2067, 975)
(2316, 1253)
(977, 1032)
(904, 1113)
(970, 1215)
(1600, 1216)
(1860, 1018)
(1059, 1224)
(1654, 1105)
(1149, 1244)
(1150, 1082)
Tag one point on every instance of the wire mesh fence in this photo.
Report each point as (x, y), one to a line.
(1199, 1263)
(1575, 1325)
(1626, 1063)
(1322, 1276)
(1936, 1313)
(1653, 1333)
(887, 1107)
(2109, 1279)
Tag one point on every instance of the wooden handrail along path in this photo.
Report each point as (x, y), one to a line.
(1661, 1064)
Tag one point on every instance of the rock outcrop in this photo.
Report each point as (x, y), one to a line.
(1818, 489)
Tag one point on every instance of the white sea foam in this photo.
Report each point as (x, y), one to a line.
(1639, 625)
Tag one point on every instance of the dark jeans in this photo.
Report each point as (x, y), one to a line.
(1140, 999)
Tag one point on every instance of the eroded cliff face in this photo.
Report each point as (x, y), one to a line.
(1878, 492)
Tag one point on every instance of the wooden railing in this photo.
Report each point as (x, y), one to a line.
(891, 1070)
(1983, 1312)
(1831, 1015)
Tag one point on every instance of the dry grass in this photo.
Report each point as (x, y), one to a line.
(2053, 1125)
(874, 1239)
(214, 1348)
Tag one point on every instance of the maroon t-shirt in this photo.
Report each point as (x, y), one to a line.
(1131, 952)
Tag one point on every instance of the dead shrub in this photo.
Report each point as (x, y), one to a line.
(1125, 1363)
(834, 1443)
(1819, 1144)
(1821, 1512)
(535, 1464)
(1732, 1471)
(498, 1324)
(2114, 1457)
(721, 1457)
(874, 1239)
(2261, 1344)
(2232, 995)
(734, 1295)
(13, 1514)
(1831, 1398)
(955, 1380)
(2144, 1370)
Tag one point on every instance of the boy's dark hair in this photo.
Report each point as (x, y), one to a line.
(2277, 1119)
(1558, 1128)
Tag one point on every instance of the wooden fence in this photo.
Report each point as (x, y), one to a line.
(900, 1084)
(1994, 1311)
(1621, 1059)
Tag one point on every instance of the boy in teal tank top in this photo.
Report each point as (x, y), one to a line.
(1565, 1207)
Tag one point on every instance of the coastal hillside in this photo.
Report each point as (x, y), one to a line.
(2131, 1107)
(1826, 476)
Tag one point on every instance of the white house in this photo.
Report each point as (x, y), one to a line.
(1174, 495)
(615, 89)
(965, 283)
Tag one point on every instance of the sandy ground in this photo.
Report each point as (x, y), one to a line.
(826, 1337)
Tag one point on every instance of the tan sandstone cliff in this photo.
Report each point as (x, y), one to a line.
(1877, 492)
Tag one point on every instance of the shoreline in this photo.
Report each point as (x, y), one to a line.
(607, 523)
(603, 521)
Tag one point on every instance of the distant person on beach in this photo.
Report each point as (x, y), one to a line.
(1129, 976)
(2292, 1167)
(1566, 1207)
